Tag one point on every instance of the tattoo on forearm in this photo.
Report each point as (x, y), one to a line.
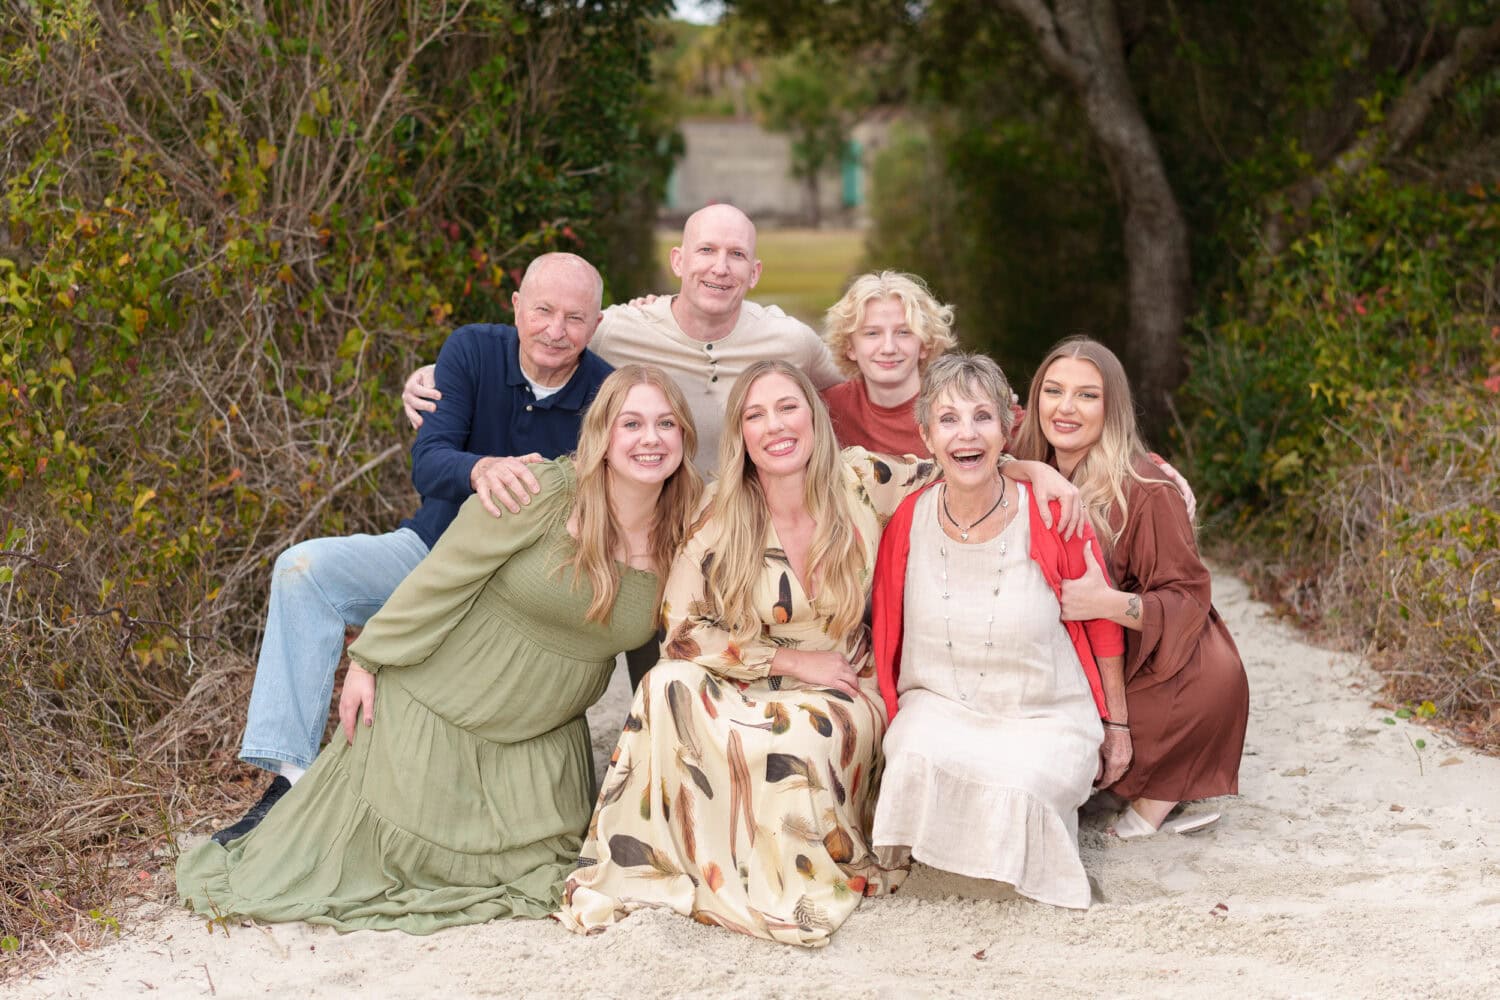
(1133, 607)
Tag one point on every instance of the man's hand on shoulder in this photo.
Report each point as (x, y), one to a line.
(420, 394)
(505, 479)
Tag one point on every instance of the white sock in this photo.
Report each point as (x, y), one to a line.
(291, 772)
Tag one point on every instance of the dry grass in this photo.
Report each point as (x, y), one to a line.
(1402, 564)
(804, 270)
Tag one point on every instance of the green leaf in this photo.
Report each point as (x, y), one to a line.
(1403, 713)
(1421, 744)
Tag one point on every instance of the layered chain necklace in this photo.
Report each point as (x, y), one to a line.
(989, 634)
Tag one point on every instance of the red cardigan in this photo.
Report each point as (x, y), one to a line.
(1058, 559)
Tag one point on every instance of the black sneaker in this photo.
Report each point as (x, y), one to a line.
(279, 787)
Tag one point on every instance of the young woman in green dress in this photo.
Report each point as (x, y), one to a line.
(461, 789)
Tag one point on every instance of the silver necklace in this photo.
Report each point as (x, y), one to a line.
(963, 532)
(989, 634)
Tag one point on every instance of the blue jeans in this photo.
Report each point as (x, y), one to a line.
(319, 588)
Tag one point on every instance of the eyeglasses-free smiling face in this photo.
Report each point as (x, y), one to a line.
(1070, 408)
(966, 436)
(557, 312)
(645, 442)
(716, 261)
(885, 348)
(777, 425)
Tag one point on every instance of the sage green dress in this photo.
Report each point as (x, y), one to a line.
(468, 797)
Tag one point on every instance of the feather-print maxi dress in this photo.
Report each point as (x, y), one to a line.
(737, 798)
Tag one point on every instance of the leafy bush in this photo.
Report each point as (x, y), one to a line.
(225, 234)
(990, 210)
(1341, 411)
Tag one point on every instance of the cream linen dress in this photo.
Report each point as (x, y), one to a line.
(993, 748)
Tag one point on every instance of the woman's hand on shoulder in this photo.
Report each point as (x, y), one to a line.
(825, 669)
(1048, 484)
(1183, 487)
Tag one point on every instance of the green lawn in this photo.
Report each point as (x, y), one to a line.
(804, 272)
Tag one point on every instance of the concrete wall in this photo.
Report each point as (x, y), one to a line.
(741, 163)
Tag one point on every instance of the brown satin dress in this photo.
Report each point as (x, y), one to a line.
(1184, 681)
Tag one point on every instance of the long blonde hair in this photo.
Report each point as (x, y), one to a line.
(599, 533)
(1100, 475)
(836, 560)
(929, 319)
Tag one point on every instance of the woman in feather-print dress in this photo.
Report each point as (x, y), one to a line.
(743, 785)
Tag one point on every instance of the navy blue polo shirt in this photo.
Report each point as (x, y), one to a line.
(488, 409)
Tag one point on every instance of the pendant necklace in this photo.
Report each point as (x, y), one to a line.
(989, 634)
(963, 533)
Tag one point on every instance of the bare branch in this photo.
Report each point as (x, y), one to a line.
(1400, 126)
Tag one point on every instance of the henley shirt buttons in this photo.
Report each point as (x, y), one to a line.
(528, 407)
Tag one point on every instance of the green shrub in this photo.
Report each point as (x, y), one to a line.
(1003, 222)
(225, 236)
(1342, 417)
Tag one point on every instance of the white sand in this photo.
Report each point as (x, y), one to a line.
(1343, 869)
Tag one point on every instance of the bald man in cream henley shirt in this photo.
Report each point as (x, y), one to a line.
(705, 369)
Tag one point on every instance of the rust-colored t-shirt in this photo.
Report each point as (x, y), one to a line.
(891, 430)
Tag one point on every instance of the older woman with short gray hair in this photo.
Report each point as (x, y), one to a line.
(998, 708)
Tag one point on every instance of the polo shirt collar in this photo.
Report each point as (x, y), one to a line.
(574, 394)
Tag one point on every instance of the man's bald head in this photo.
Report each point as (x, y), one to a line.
(567, 267)
(720, 219)
(716, 263)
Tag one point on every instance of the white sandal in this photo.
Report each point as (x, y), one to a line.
(1131, 825)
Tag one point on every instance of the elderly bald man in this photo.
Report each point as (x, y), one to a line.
(703, 336)
(507, 391)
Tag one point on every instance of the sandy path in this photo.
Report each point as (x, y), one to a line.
(1348, 867)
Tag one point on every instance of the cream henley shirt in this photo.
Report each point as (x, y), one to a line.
(704, 370)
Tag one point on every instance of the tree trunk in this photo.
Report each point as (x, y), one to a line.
(1080, 42)
(1159, 271)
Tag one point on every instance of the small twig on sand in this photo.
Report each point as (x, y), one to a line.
(1416, 750)
(280, 948)
(211, 990)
